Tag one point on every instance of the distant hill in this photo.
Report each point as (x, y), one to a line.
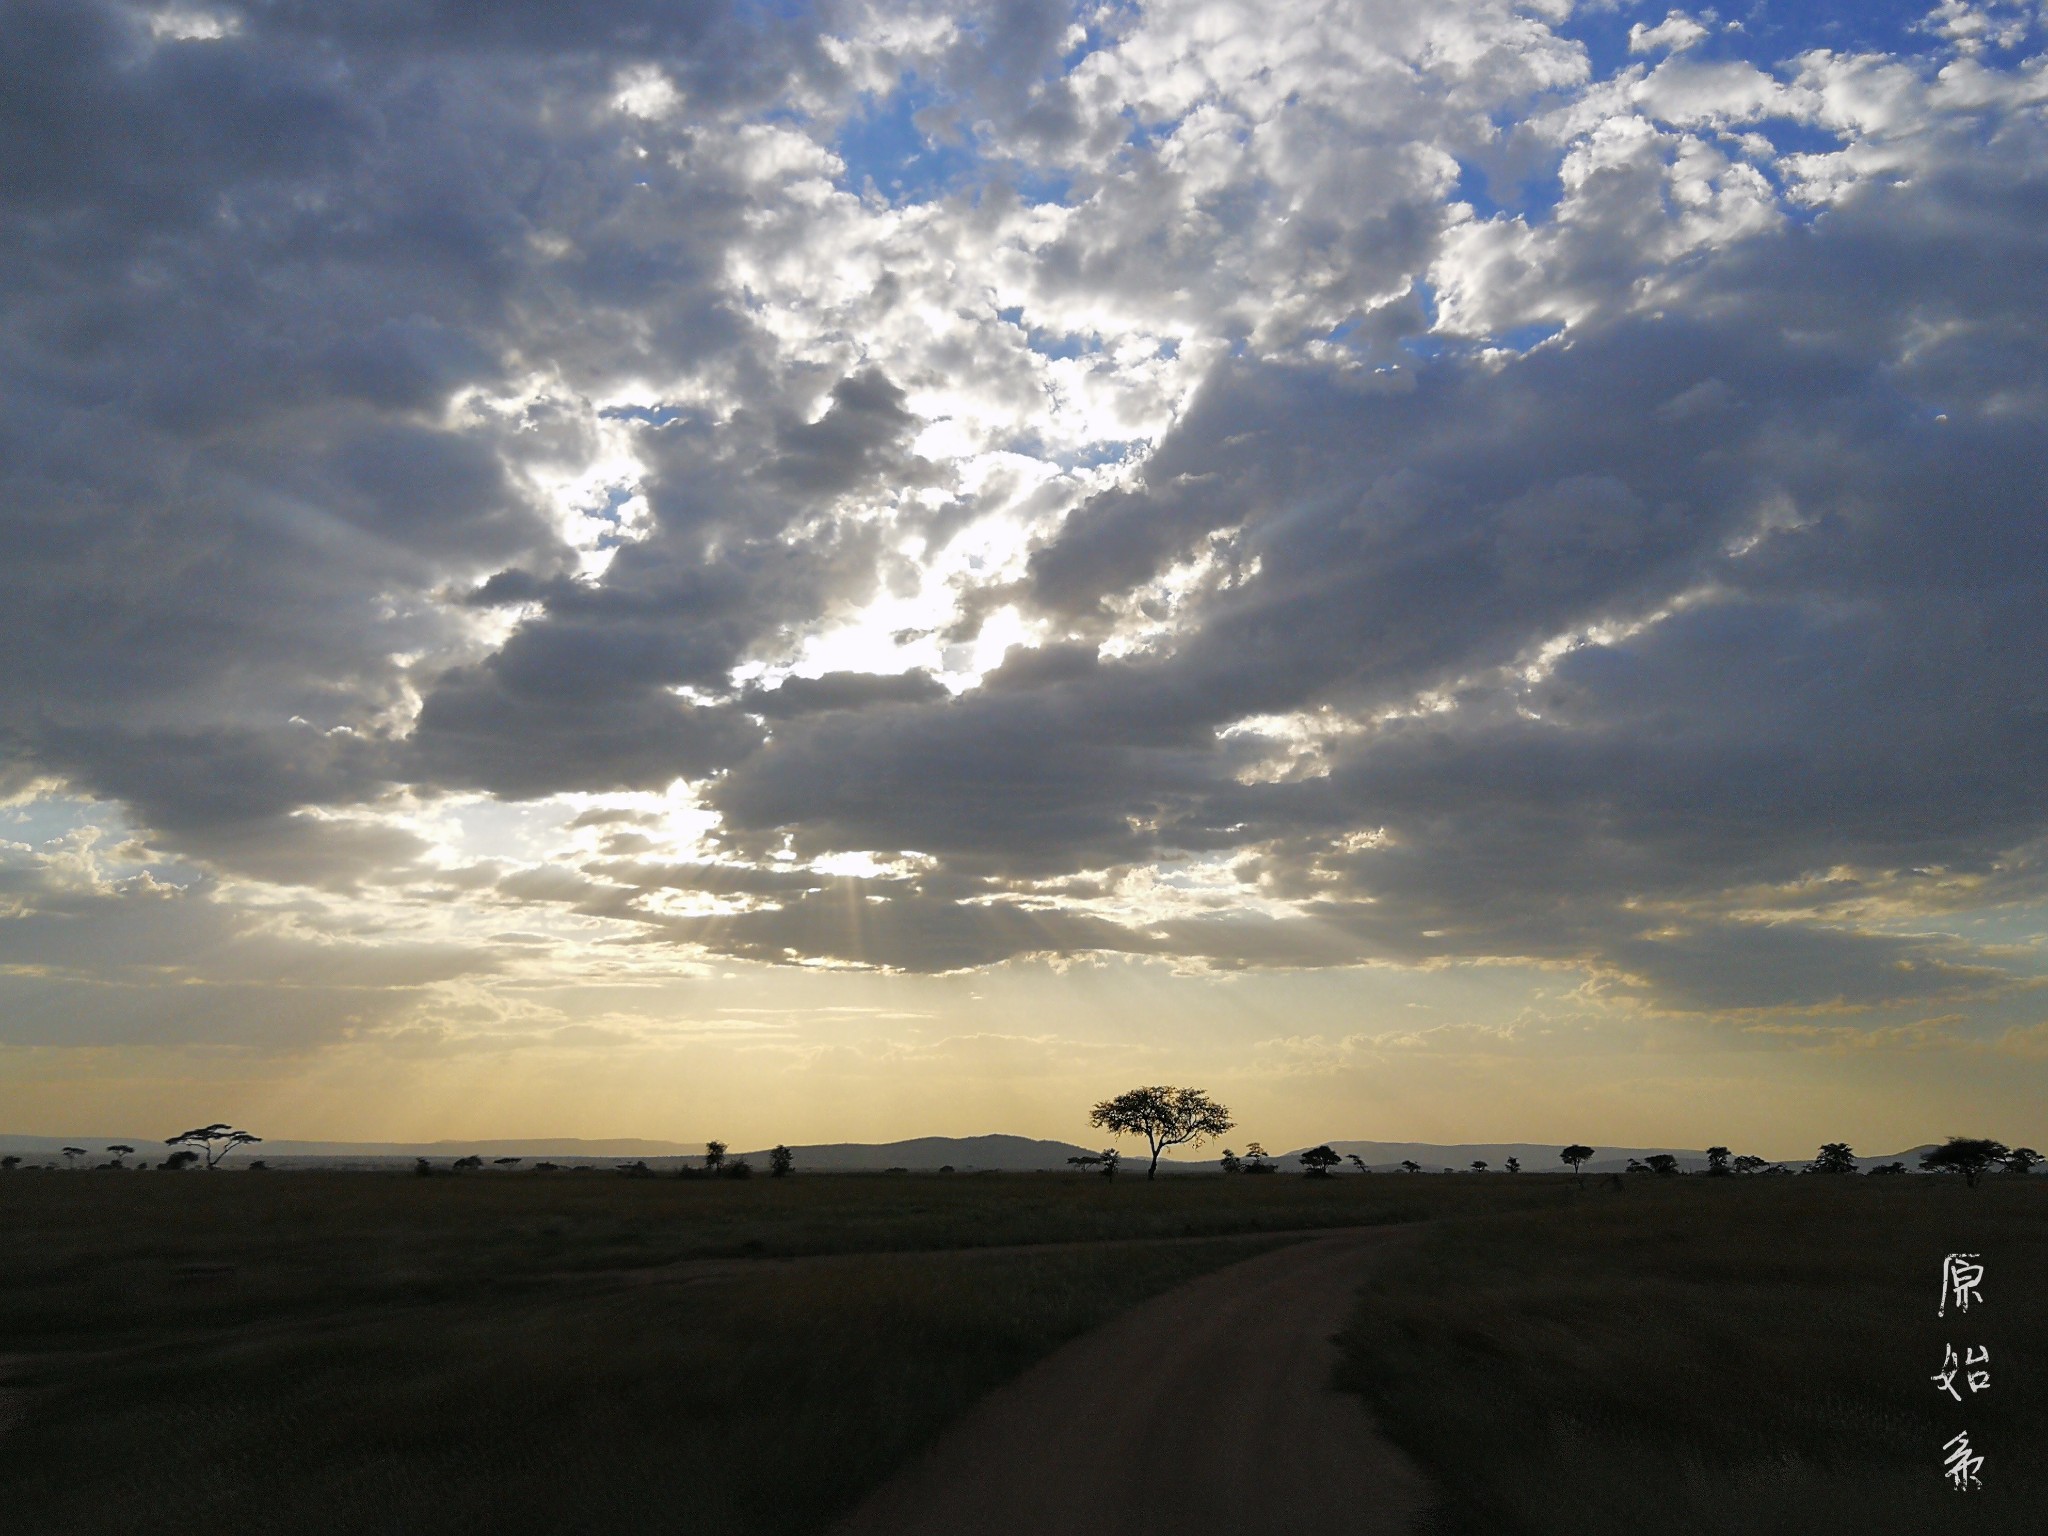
(1011, 1154)
(925, 1153)
(967, 1154)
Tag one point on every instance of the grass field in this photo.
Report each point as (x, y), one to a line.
(360, 1353)
(1716, 1356)
(512, 1353)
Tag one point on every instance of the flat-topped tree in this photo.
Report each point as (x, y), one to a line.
(1165, 1117)
(1967, 1155)
(1577, 1156)
(217, 1141)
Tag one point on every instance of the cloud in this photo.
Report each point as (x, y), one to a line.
(1264, 489)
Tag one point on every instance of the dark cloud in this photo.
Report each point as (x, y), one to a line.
(1598, 653)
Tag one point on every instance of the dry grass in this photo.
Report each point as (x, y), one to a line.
(365, 1353)
(1715, 1356)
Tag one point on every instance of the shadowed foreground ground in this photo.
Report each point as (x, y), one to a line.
(1206, 1409)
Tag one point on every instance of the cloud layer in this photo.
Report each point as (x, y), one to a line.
(913, 488)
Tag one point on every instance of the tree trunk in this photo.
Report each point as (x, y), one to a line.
(1153, 1171)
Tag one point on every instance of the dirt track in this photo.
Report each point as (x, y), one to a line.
(1206, 1411)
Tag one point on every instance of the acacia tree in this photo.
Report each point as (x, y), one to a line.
(1409, 1165)
(1513, 1165)
(72, 1155)
(1717, 1162)
(1165, 1117)
(2021, 1160)
(714, 1156)
(1835, 1157)
(120, 1150)
(206, 1137)
(1480, 1165)
(1317, 1162)
(1576, 1155)
(1748, 1164)
(1967, 1155)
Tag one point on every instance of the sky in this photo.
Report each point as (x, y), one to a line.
(1442, 569)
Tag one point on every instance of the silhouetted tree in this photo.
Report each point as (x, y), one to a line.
(1885, 1168)
(9, 1163)
(1358, 1162)
(422, 1169)
(1833, 1157)
(1317, 1162)
(1480, 1165)
(2022, 1161)
(1165, 1117)
(1967, 1155)
(1717, 1163)
(1749, 1164)
(178, 1161)
(780, 1161)
(714, 1156)
(469, 1164)
(120, 1151)
(1662, 1164)
(1230, 1162)
(1256, 1160)
(1577, 1156)
(1409, 1165)
(546, 1167)
(217, 1140)
(72, 1155)
(638, 1170)
(1514, 1165)
(738, 1168)
(508, 1162)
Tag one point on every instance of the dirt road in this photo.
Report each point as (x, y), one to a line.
(1205, 1412)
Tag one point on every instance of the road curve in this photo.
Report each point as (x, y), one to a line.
(1206, 1411)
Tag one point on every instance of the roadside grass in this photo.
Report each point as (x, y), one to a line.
(741, 1406)
(94, 1259)
(367, 1353)
(1717, 1356)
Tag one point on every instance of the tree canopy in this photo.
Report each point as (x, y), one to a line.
(216, 1140)
(1165, 1117)
(1318, 1161)
(1967, 1155)
(1833, 1157)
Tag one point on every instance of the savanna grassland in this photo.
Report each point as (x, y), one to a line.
(1725, 1356)
(511, 1352)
